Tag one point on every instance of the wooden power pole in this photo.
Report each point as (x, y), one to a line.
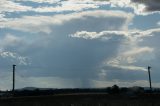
(149, 74)
(14, 66)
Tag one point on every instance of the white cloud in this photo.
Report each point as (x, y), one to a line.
(7, 54)
(13, 58)
(130, 68)
(10, 6)
(41, 1)
(105, 35)
(66, 7)
(99, 2)
(43, 23)
(28, 24)
(139, 35)
(17, 6)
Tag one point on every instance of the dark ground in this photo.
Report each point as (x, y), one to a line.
(83, 99)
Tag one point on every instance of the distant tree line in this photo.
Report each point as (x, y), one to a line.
(108, 90)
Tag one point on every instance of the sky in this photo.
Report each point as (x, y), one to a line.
(79, 43)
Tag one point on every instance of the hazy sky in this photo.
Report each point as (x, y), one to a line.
(79, 43)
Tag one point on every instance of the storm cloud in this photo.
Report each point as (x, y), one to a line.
(151, 5)
(80, 43)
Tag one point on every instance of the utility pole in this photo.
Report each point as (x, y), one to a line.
(14, 66)
(149, 73)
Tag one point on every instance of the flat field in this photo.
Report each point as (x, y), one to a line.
(83, 99)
